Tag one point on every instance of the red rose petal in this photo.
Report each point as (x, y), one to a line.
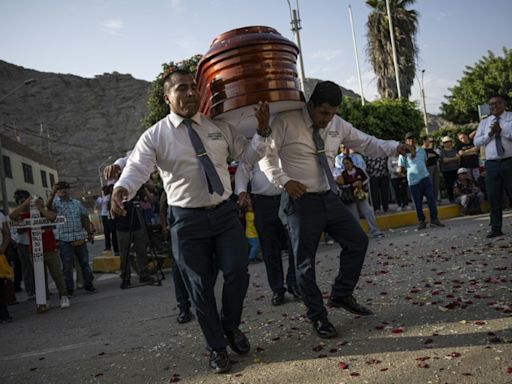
(342, 365)
(354, 374)
(423, 365)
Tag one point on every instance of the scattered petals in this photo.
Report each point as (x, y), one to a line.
(342, 365)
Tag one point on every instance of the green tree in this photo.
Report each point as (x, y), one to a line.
(405, 24)
(386, 119)
(156, 105)
(490, 75)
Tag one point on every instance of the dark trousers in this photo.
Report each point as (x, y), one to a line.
(270, 233)
(67, 256)
(449, 180)
(139, 241)
(205, 241)
(424, 188)
(109, 230)
(400, 186)
(498, 177)
(308, 217)
(379, 189)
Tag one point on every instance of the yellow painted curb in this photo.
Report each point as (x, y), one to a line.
(111, 264)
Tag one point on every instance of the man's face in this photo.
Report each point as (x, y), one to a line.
(463, 138)
(411, 141)
(63, 193)
(448, 144)
(182, 95)
(496, 106)
(322, 114)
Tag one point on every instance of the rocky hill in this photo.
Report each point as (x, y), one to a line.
(83, 121)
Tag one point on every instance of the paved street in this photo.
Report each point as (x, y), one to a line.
(442, 298)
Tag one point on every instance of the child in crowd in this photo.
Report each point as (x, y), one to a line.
(251, 234)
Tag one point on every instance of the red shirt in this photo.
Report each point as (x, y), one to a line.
(351, 179)
(49, 242)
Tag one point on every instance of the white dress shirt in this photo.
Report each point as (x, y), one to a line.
(293, 145)
(167, 145)
(482, 138)
(260, 184)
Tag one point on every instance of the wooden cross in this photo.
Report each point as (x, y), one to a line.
(35, 223)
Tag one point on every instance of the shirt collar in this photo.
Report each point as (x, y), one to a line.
(176, 119)
(307, 118)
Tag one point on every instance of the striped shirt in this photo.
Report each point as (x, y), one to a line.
(72, 210)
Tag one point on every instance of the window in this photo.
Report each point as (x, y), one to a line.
(44, 180)
(7, 167)
(27, 173)
(52, 180)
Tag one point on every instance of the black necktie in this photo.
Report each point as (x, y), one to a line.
(320, 151)
(499, 145)
(212, 177)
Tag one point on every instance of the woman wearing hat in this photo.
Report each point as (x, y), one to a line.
(449, 165)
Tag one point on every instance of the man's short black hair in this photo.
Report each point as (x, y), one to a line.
(20, 194)
(169, 75)
(348, 158)
(326, 92)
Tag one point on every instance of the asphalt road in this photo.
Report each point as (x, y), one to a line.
(442, 298)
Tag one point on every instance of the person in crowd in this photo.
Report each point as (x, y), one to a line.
(494, 133)
(52, 262)
(399, 183)
(357, 159)
(180, 290)
(266, 202)
(251, 235)
(469, 155)
(355, 179)
(432, 164)
(377, 171)
(190, 151)
(72, 235)
(450, 160)
(22, 240)
(6, 271)
(306, 142)
(467, 194)
(109, 230)
(419, 182)
(130, 232)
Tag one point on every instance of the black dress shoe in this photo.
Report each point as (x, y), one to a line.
(219, 361)
(350, 304)
(494, 233)
(324, 328)
(125, 284)
(294, 291)
(238, 341)
(184, 316)
(278, 299)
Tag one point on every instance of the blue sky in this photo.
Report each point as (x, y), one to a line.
(90, 37)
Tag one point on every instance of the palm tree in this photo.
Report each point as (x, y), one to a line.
(405, 23)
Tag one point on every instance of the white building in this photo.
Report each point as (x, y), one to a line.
(26, 169)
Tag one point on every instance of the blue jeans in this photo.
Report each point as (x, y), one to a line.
(498, 177)
(424, 188)
(254, 247)
(205, 241)
(271, 232)
(308, 217)
(67, 254)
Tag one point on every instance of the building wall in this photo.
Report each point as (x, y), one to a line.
(18, 181)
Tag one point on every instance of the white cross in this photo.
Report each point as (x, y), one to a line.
(36, 223)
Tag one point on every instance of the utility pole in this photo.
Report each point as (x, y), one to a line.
(295, 22)
(395, 60)
(422, 89)
(356, 54)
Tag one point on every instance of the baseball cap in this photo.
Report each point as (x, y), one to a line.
(410, 135)
(446, 138)
(462, 170)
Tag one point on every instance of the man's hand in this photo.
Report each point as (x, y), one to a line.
(402, 149)
(244, 199)
(495, 128)
(262, 114)
(119, 196)
(295, 189)
(111, 171)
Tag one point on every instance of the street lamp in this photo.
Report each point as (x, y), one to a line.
(99, 169)
(5, 198)
(295, 17)
(422, 90)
